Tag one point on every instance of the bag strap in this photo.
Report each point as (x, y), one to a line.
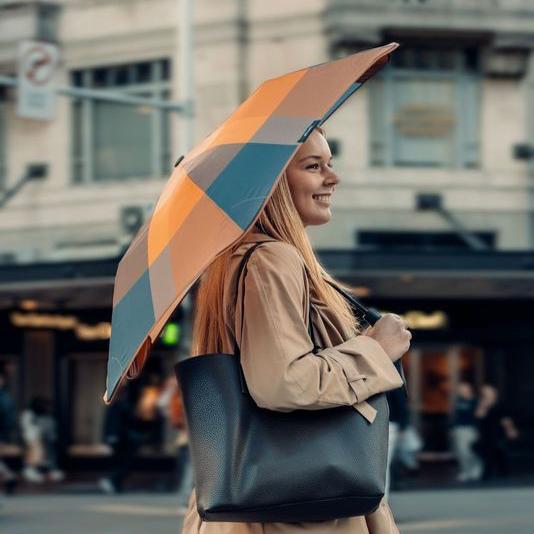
(243, 273)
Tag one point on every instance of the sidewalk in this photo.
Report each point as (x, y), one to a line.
(463, 511)
(489, 511)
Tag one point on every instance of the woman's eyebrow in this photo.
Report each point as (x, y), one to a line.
(315, 157)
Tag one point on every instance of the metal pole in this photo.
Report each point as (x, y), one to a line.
(529, 129)
(109, 96)
(185, 132)
(186, 80)
(242, 52)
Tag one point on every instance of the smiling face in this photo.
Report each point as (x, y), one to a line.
(312, 180)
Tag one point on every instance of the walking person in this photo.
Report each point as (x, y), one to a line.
(121, 433)
(496, 428)
(170, 403)
(7, 423)
(39, 433)
(399, 418)
(465, 433)
(269, 324)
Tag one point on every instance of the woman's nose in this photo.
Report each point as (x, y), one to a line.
(332, 177)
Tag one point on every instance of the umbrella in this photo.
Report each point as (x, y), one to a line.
(215, 194)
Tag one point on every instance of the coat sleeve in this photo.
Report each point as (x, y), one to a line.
(281, 371)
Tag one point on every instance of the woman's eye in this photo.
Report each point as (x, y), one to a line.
(313, 166)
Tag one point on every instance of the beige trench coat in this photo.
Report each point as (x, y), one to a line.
(288, 375)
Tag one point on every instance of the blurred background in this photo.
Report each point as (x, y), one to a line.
(433, 220)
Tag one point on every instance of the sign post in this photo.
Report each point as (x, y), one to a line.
(37, 65)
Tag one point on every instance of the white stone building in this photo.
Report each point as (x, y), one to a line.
(442, 119)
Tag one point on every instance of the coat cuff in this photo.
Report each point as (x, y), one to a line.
(367, 366)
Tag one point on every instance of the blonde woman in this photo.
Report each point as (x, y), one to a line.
(282, 373)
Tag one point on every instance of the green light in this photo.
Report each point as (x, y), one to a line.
(170, 334)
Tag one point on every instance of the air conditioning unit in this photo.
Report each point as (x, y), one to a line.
(131, 218)
(8, 258)
(24, 255)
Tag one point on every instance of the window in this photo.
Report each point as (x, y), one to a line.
(114, 141)
(3, 141)
(424, 109)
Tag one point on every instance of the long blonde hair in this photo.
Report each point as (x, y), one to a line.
(280, 220)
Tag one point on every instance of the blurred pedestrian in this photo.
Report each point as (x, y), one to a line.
(398, 422)
(496, 428)
(465, 433)
(39, 434)
(122, 434)
(7, 424)
(148, 417)
(171, 403)
(409, 445)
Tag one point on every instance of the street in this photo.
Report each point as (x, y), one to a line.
(465, 511)
(442, 511)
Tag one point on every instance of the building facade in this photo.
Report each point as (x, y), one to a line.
(433, 218)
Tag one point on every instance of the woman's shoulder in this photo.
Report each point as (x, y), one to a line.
(274, 255)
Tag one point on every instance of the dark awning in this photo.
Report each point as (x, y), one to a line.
(87, 283)
(435, 273)
(385, 273)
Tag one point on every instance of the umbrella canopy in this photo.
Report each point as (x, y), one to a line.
(215, 194)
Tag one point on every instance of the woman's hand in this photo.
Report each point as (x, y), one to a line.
(391, 332)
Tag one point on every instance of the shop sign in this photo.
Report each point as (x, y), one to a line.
(83, 331)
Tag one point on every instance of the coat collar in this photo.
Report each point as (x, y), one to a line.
(255, 236)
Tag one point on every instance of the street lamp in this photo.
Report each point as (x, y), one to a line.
(34, 171)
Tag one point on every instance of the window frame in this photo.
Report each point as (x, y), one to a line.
(3, 141)
(462, 76)
(159, 87)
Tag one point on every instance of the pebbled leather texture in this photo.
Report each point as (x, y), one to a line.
(257, 465)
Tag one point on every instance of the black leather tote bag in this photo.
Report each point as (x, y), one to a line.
(256, 465)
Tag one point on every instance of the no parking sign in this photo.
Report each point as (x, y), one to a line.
(37, 65)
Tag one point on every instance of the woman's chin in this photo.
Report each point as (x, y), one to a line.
(319, 218)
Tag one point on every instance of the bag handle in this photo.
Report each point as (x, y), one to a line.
(243, 273)
(370, 315)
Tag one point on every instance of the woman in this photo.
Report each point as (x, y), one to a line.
(282, 373)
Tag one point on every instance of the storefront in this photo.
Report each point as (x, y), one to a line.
(55, 325)
(470, 314)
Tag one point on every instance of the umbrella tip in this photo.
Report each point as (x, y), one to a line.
(177, 162)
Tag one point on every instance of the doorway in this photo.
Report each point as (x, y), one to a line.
(433, 373)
